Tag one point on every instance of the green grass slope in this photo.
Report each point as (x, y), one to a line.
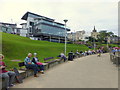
(15, 47)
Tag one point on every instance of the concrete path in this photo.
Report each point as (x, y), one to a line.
(86, 72)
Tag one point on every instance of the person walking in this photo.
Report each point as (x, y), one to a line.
(99, 52)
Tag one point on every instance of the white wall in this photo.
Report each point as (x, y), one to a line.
(23, 32)
(28, 21)
(34, 38)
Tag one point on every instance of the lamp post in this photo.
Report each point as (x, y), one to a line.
(107, 42)
(94, 43)
(74, 36)
(65, 34)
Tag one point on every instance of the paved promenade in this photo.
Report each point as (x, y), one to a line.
(86, 72)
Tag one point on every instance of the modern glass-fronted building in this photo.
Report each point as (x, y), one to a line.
(44, 28)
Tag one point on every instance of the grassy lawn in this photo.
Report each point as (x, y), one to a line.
(15, 47)
(112, 45)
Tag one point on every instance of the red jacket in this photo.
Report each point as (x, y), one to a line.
(2, 70)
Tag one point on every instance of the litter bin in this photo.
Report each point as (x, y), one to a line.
(70, 56)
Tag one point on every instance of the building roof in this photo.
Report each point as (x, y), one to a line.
(39, 17)
(8, 24)
(23, 23)
(25, 16)
(59, 23)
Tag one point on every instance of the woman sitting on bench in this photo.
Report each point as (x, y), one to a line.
(7, 75)
(39, 64)
(30, 65)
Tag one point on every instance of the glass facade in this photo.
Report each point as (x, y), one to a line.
(49, 22)
(6, 29)
(44, 25)
(52, 30)
(49, 27)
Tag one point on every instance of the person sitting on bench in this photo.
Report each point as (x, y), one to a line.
(30, 65)
(63, 56)
(39, 64)
(7, 75)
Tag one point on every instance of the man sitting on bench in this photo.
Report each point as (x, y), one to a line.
(30, 65)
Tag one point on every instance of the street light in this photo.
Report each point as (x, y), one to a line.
(107, 42)
(65, 33)
(94, 43)
(74, 36)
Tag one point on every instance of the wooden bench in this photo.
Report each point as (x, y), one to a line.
(29, 72)
(61, 59)
(50, 63)
(49, 58)
(21, 64)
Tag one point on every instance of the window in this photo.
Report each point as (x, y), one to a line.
(30, 29)
(6, 29)
(31, 23)
(18, 30)
(39, 30)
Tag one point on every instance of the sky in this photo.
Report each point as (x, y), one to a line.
(81, 14)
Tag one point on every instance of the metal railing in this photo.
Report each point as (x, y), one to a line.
(115, 58)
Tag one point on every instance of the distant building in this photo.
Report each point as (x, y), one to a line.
(42, 28)
(71, 36)
(113, 40)
(24, 30)
(94, 33)
(79, 35)
(9, 28)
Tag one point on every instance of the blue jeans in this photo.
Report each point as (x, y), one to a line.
(64, 58)
(41, 67)
(9, 77)
(33, 67)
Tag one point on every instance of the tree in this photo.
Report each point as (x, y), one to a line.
(110, 33)
(103, 36)
(91, 39)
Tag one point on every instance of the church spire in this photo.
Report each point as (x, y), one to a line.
(94, 29)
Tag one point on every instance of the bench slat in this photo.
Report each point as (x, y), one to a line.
(51, 61)
(48, 58)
